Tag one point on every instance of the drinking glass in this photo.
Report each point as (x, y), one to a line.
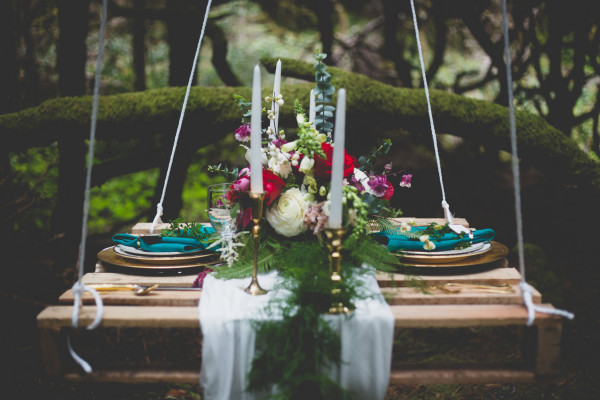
(219, 208)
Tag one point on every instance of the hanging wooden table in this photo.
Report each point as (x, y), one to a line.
(164, 324)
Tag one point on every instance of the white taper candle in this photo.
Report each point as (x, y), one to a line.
(311, 111)
(256, 181)
(337, 168)
(276, 92)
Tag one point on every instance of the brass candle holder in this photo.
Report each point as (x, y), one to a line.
(334, 244)
(257, 212)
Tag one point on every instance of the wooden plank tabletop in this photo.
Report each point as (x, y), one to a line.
(406, 316)
(397, 288)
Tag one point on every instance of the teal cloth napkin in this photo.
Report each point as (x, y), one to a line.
(162, 243)
(447, 241)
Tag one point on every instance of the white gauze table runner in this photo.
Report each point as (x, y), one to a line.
(226, 311)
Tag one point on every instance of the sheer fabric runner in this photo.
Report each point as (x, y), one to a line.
(226, 311)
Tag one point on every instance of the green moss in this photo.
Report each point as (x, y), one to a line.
(371, 104)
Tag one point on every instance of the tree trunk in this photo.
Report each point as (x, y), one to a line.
(71, 49)
(139, 50)
(324, 11)
(8, 66)
(182, 38)
(71, 60)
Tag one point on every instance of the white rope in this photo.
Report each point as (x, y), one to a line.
(159, 206)
(526, 289)
(79, 288)
(445, 205)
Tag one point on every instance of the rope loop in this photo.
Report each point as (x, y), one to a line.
(532, 308)
(157, 220)
(447, 213)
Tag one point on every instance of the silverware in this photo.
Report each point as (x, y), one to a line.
(139, 290)
(455, 288)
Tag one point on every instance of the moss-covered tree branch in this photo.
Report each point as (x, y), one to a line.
(374, 109)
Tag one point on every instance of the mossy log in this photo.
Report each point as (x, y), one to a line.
(373, 108)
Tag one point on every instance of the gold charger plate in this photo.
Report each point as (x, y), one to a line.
(496, 252)
(434, 258)
(109, 256)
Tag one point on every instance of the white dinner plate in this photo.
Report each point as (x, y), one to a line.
(128, 250)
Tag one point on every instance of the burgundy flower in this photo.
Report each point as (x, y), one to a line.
(405, 182)
(243, 133)
(200, 278)
(389, 191)
(244, 218)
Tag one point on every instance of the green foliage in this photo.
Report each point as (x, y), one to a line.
(123, 198)
(366, 161)
(269, 253)
(181, 228)
(323, 95)
(224, 170)
(244, 105)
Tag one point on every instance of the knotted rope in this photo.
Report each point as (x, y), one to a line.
(526, 289)
(159, 206)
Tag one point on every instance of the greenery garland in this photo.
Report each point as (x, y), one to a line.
(294, 353)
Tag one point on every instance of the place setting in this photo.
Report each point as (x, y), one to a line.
(444, 248)
(181, 248)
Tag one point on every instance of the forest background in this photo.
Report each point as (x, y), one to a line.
(49, 50)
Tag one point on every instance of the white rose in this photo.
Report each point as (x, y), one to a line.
(306, 164)
(287, 215)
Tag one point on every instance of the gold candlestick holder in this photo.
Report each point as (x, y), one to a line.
(257, 212)
(334, 244)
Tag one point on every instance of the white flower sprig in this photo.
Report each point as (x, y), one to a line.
(228, 240)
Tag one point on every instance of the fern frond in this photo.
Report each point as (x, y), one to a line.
(368, 251)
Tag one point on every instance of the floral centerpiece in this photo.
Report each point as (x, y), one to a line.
(296, 178)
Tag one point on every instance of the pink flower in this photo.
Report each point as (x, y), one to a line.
(315, 219)
(405, 182)
(378, 185)
(240, 186)
(243, 133)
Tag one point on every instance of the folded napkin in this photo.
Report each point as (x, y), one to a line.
(162, 243)
(447, 241)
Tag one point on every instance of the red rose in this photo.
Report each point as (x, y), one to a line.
(323, 166)
(389, 192)
(272, 185)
